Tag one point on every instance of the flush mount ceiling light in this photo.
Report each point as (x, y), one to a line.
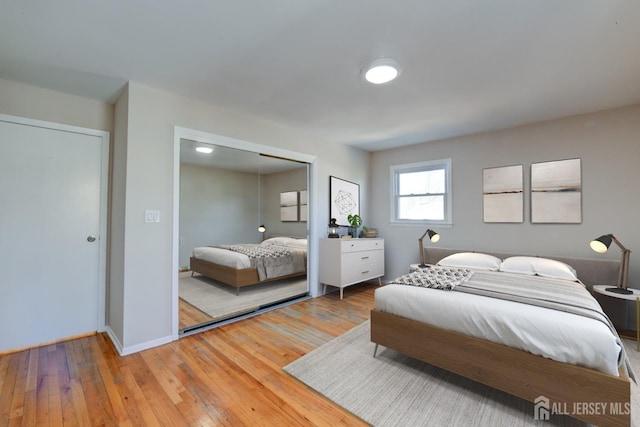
(205, 150)
(381, 71)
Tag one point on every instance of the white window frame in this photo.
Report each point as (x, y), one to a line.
(396, 170)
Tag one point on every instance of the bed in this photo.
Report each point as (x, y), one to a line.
(240, 265)
(461, 333)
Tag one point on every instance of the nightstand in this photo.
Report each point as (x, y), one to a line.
(600, 289)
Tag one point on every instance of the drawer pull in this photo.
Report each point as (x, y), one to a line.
(365, 272)
(365, 257)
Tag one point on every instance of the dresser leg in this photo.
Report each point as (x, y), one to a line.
(341, 290)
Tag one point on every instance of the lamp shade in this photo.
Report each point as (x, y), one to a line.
(602, 243)
(433, 236)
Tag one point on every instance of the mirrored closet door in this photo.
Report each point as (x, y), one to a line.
(243, 228)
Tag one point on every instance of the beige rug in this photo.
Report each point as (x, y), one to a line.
(396, 390)
(220, 301)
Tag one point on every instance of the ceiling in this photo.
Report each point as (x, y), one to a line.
(467, 65)
(233, 159)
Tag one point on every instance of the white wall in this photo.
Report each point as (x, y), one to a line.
(608, 144)
(216, 207)
(116, 269)
(22, 100)
(273, 185)
(152, 116)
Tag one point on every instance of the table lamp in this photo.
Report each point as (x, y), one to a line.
(433, 237)
(601, 245)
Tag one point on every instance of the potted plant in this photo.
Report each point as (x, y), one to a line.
(355, 221)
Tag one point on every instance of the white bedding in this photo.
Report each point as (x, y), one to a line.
(222, 256)
(550, 333)
(237, 260)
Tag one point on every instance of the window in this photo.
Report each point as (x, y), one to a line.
(421, 193)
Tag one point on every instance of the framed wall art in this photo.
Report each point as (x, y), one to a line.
(503, 194)
(303, 206)
(556, 192)
(344, 200)
(289, 206)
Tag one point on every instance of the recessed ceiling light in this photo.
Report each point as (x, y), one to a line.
(205, 150)
(381, 71)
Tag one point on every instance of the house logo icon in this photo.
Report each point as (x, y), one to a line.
(541, 410)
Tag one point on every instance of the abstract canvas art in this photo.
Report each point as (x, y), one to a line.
(289, 206)
(503, 194)
(344, 200)
(304, 212)
(556, 192)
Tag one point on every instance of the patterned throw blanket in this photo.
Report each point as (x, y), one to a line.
(270, 260)
(436, 277)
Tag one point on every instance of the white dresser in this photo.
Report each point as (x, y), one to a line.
(345, 262)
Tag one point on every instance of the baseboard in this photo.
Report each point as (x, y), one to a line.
(114, 339)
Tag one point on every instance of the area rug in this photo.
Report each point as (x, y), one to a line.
(220, 301)
(396, 390)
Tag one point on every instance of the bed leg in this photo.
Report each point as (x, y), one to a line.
(375, 350)
(192, 273)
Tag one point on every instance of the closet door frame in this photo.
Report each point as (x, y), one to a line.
(214, 139)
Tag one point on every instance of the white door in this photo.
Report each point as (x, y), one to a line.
(51, 266)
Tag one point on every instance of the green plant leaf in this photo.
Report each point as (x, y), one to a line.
(354, 220)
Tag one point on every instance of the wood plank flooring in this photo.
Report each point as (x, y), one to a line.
(191, 315)
(229, 376)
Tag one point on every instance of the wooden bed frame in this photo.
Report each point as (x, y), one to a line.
(237, 278)
(513, 371)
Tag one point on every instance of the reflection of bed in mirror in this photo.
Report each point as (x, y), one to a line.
(240, 265)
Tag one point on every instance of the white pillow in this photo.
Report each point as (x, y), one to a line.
(539, 266)
(275, 241)
(471, 260)
(296, 243)
(286, 241)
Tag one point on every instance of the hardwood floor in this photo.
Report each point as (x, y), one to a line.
(229, 376)
(190, 315)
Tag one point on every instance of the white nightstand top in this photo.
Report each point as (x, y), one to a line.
(600, 289)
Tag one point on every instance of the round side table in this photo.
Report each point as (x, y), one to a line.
(635, 296)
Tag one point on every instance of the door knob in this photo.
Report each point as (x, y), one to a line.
(91, 239)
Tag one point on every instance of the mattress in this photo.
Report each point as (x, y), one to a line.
(221, 256)
(557, 335)
(239, 261)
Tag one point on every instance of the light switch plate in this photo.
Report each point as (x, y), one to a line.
(152, 216)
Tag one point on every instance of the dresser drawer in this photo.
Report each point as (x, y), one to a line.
(360, 273)
(362, 257)
(356, 245)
